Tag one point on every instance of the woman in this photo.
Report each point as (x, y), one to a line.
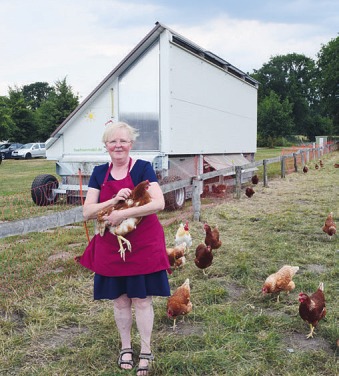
(143, 273)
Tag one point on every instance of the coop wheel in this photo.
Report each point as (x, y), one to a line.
(176, 199)
(42, 190)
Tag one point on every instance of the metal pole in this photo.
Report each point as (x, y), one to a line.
(238, 181)
(196, 203)
(265, 172)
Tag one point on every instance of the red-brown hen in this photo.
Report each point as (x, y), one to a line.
(203, 256)
(179, 303)
(212, 237)
(312, 308)
(330, 227)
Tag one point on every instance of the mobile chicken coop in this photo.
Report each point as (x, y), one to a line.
(192, 109)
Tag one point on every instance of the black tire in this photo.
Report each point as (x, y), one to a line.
(176, 199)
(28, 156)
(42, 190)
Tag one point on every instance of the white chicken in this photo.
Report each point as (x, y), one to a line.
(183, 236)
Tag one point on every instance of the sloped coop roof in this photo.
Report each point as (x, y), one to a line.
(147, 41)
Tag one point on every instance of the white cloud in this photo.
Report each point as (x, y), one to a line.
(248, 44)
(47, 40)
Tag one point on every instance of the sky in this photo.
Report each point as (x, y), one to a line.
(84, 40)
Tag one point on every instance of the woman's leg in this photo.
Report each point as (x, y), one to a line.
(123, 319)
(144, 316)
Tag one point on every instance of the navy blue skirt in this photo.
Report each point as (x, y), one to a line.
(136, 286)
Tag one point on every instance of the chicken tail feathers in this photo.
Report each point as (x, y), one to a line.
(321, 286)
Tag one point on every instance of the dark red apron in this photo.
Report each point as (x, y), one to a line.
(148, 253)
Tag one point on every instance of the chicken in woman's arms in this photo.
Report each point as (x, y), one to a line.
(139, 196)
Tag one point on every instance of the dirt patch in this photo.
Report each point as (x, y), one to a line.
(297, 342)
(41, 349)
(15, 318)
(185, 328)
(315, 268)
(60, 256)
(62, 337)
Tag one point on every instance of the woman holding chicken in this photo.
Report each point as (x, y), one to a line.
(142, 273)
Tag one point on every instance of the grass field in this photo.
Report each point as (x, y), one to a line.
(49, 324)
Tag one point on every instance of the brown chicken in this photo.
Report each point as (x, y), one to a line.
(249, 192)
(280, 281)
(212, 237)
(255, 179)
(316, 166)
(179, 303)
(203, 256)
(219, 189)
(179, 262)
(305, 169)
(206, 191)
(312, 308)
(336, 165)
(176, 255)
(138, 197)
(330, 227)
(321, 163)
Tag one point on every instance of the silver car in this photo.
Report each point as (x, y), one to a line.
(31, 150)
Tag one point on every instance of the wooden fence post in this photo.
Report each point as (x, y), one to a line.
(196, 202)
(295, 162)
(283, 166)
(265, 172)
(238, 181)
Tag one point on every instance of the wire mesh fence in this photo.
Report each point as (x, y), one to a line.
(41, 206)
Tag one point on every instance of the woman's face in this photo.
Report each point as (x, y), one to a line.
(119, 144)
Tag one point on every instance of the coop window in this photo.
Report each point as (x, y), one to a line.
(139, 98)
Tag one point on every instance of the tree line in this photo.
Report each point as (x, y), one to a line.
(297, 96)
(31, 113)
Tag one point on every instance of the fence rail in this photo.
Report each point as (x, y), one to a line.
(74, 215)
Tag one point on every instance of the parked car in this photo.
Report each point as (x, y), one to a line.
(7, 149)
(31, 150)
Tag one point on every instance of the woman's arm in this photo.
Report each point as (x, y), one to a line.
(157, 203)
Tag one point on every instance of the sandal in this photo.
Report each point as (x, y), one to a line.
(121, 361)
(148, 357)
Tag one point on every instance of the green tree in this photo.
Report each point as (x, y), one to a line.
(55, 109)
(35, 94)
(328, 81)
(6, 122)
(274, 119)
(23, 126)
(291, 77)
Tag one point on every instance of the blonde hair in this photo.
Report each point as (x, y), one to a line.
(112, 127)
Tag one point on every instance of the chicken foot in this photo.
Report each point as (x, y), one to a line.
(310, 335)
(122, 251)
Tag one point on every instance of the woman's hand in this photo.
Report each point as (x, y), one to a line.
(123, 194)
(115, 218)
